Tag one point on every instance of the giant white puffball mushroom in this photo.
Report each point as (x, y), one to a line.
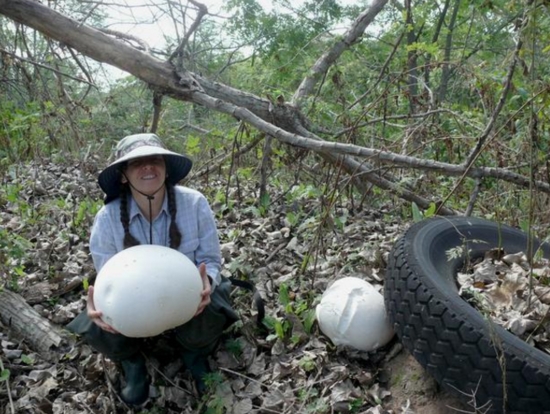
(145, 290)
(352, 313)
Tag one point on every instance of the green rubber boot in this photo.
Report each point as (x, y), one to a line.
(198, 367)
(136, 390)
(198, 370)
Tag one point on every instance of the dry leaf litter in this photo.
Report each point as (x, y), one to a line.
(291, 253)
(511, 293)
(48, 209)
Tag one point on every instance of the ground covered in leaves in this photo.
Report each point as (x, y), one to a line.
(512, 292)
(292, 248)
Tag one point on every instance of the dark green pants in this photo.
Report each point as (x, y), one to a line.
(198, 337)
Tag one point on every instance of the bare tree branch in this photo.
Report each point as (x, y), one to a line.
(446, 71)
(507, 84)
(382, 71)
(178, 53)
(282, 121)
(322, 65)
(127, 36)
(40, 65)
(220, 160)
(157, 107)
(325, 147)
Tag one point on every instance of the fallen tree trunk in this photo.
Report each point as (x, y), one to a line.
(48, 340)
(281, 121)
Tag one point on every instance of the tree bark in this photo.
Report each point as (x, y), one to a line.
(446, 70)
(412, 70)
(437, 32)
(322, 65)
(46, 339)
(284, 122)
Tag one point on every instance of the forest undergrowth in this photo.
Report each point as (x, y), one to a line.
(291, 248)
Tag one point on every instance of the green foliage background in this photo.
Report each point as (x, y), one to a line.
(423, 82)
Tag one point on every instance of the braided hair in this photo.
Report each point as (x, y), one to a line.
(129, 239)
(173, 231)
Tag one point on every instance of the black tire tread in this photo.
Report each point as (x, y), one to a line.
(461, 352)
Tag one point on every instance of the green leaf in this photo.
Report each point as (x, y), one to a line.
(192, 144)
(292, 218)
(284, 296)
(417, 214)
(309, 320)
(25, 359)
(430, 211)
(4, 374)
(265, 200)
(279, 329)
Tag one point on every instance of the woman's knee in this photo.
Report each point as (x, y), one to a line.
(115, 346)
(202, 331)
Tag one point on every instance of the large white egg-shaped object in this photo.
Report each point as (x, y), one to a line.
(144, 290)
(352, 313)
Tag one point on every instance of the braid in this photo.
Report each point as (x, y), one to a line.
(129, 240)
(174, 231)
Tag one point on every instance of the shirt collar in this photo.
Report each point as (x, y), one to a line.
(135, 211)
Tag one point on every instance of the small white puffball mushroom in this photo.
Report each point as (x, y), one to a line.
(144, 290)
(352, 313)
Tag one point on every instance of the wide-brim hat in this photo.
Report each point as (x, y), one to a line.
(138, 146)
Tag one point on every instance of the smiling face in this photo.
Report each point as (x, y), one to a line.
(146, 174)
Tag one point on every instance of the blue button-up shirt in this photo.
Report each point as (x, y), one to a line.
(195, 220)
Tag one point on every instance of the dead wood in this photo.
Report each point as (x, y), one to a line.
(282, 121)
(41, 335)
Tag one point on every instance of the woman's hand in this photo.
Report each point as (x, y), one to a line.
(206, 291)
(95, 315)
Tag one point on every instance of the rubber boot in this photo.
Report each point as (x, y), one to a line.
(198, 370)
(136, 390)
(198, 367)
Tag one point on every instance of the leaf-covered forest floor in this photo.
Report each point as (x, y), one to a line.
(292, 248)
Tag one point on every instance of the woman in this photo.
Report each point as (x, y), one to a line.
(144, 205)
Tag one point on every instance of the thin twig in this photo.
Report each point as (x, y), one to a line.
(243, 376)
(507, 84)
(215, 163)
(169, 381)
(22, 59)
(112, 393)
(322, 65)
(7, 388)
(86, 73)
(382, 71)
(92, 9)
(473, 402)
(126, 36)
(203, 10)
(473, 198)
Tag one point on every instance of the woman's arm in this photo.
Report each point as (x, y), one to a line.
(208, 250)
(102, 248)
(102, 239)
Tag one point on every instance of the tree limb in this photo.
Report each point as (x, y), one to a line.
(326, 147)
(178, 53)
(507, 84)
(382, 71)
(218, 161)
(40, 65)
(285, 121)
(42, 336)
(322, 65)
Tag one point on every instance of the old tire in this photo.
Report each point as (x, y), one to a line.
(464, 352)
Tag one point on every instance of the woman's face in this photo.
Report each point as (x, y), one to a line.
(146, 174)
